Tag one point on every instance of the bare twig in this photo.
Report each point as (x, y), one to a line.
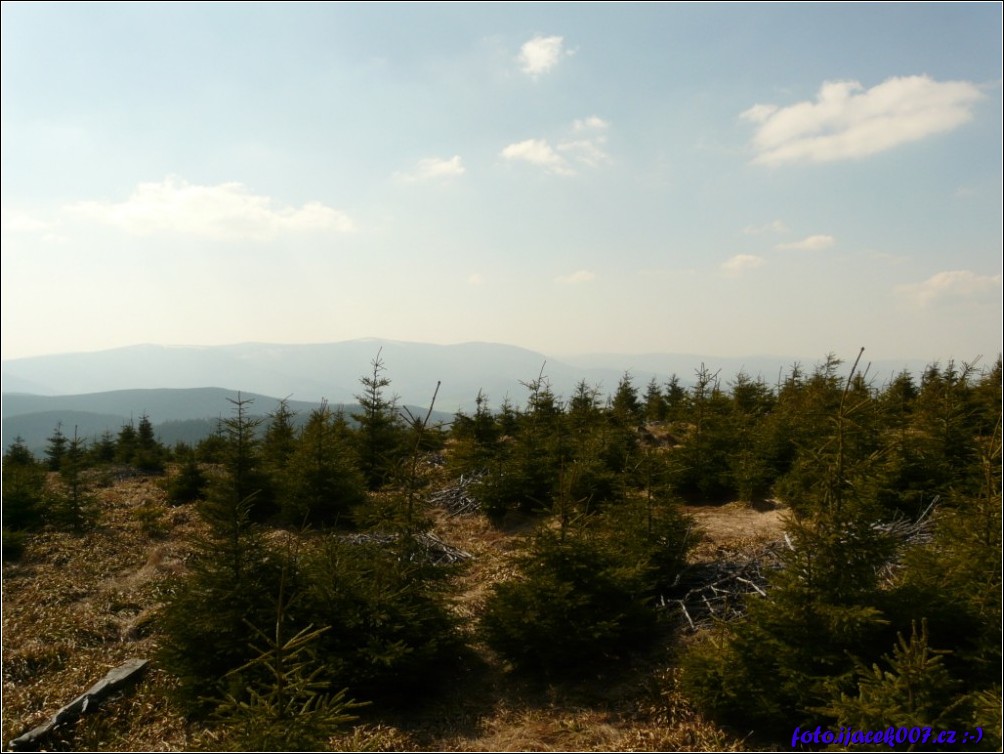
(718, 591)
(458, 499)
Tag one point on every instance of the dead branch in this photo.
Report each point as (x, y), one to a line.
(718, 591)
(457, 499)
(430, 547)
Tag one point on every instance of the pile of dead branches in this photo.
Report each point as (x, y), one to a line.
(430, 547)
(910, 531)
(457, 498)
(906, 532)
(717, 591)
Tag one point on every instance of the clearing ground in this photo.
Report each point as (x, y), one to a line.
(78, 605)
(736, 525)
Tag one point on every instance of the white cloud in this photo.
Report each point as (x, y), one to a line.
(540, 55)
(953, 285)
(19, 221)
(847, 121)
(585, 151)
(433, 168)
(775, 226)
(575, 278)
(758, 113)
(227, 211)
(475, 278)
(740, 263)
(811, 243)
(592, 123)
(538, 152)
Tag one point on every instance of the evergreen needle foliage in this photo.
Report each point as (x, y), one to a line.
(320, 481)
(914, 691)
(380, 437)
(812, 652)
(392, 631)
(290, 707)
(580, 599)
(232, 575)
(71, 504)
(205, 619)
(23, 484)
(189, 484)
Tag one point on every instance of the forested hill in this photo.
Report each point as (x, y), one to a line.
(186, 415)
(159, 405)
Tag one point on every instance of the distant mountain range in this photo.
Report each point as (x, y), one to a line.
(101, 390)
(333, 370)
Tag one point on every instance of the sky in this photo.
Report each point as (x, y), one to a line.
(735, 179)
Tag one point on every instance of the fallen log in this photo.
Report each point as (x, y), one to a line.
(118, 679)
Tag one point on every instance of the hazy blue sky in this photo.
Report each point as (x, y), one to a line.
(719, 179)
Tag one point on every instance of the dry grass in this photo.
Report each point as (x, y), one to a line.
(78, 605)
(735, 526)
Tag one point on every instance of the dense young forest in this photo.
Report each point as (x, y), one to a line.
(316, 590)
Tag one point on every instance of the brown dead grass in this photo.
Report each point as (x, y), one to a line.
(78, 605)
(735, 526)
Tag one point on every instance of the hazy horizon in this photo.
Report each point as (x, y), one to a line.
(737, 180)
(805, 358)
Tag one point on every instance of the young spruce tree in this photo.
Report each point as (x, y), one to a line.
(380, 435)
(231, 576)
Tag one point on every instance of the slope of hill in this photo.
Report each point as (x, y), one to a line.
(176, 414)
(33, 429)
(159, 405)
